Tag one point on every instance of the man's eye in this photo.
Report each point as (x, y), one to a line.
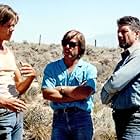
(124, 31)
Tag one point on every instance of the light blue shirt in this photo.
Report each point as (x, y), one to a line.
(55, 74)
(124, 84)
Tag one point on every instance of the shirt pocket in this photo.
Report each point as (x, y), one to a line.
(61, 81)
(78, 80)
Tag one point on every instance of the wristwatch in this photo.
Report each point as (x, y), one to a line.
(62, 90)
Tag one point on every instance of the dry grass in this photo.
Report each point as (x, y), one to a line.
(38, 117)
(37, 122)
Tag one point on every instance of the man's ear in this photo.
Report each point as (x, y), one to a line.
(137, 35)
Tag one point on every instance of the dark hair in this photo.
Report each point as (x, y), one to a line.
(6, 14)
(78, 36)
(133, 22)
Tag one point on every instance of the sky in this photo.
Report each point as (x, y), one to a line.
(51, 19)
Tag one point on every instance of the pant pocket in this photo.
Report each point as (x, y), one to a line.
(3, 112)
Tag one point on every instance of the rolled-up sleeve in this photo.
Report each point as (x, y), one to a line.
(91, 77)
(48, 78)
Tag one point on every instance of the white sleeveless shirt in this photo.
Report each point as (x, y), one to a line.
(7, 74)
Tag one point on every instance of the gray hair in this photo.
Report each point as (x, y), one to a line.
(131, 21)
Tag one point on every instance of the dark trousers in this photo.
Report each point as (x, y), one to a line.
(72, 124)
(127, 124)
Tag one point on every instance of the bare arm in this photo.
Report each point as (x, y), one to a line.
(53, 94)
(29, 73)
(12, 103)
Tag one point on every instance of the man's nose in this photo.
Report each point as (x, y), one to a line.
(67, 46)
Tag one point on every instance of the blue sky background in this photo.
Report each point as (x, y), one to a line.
(96, 19)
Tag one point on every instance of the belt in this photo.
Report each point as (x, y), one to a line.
(70, 109)
(129, 110)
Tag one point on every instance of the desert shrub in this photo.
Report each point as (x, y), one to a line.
(37, 122)
(104, 135)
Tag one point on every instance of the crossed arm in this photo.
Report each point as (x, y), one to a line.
(120, 79)
(67, 93)
(29, 73)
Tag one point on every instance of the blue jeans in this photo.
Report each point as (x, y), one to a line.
(11, 125)
(75, 125)
(127, 125)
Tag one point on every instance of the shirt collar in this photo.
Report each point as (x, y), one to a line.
(79, 64)
(130, 50)
(134, 47)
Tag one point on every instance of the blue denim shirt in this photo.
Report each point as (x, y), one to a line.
(124, 84)
(55, 74)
